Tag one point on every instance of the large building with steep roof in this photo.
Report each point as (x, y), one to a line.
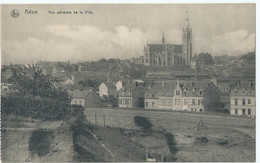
(197, 96)
(242, 99)
(169, 55)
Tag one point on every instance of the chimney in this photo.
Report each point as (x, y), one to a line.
(192, 83)
(250, 84)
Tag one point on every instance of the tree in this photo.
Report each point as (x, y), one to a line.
(205, 58)
(144, 123)
(249, 56)
(111, 60)
(88, 83)
(38, 98)
(102, 60)
(39, 85)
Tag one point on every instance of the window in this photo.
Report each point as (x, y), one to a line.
(199, 102)
(153, 95)
(236, 102)
(243, 102)
(179, 101)
(236, 112)
(249, 101)
(123, 101)
(175, 101)
(178, 93)
(146, 104)
(193, 101)
(243, 111)
(80, 102)
(152, 103)
(200, 110)
(249, 111)
(185, 101)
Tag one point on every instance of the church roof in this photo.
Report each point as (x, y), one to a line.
(160, 47)
(155, 47)
(178, 48)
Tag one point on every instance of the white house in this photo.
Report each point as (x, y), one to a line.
(107, 89)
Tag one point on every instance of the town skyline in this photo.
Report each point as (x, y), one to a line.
(123, 31)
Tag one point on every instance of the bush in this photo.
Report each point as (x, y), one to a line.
(143, 122)
(171, 143)
(39, 108)
(39, 142)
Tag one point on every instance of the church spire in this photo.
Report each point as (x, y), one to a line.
(187, 24)
(163, 39)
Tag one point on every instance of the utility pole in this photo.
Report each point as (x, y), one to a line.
(146, 154)
(162, 156)
(95, 118)
(104, 120)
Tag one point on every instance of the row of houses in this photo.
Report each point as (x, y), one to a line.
(194, 96)
(179, 95)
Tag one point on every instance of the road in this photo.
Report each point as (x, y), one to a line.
(124, 118)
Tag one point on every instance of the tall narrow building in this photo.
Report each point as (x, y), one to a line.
(187, 41)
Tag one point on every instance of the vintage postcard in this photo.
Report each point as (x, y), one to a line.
(128, 82)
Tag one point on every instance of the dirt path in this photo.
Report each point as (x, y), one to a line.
(103, 145)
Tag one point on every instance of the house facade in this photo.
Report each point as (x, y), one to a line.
(242, 100)
(197, 96)
(222, 84)
(131, 95)
(107, 89)
(85, 98)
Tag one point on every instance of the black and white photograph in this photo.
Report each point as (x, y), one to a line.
(162, 82)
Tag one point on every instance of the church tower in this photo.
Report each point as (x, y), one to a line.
(187, 41)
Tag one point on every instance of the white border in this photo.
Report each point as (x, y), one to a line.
(161, 2)
(121, 1)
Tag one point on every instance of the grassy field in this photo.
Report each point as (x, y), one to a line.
(173, 135)
(228, 138)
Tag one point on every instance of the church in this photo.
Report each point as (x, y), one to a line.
(170, 55)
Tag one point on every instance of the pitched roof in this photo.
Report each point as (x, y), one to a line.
(155, 47)
(80, 94)
(246, 86)
(163, 88)
(110, 84)
(178, 48)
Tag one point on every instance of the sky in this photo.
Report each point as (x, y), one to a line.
(121, 31)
